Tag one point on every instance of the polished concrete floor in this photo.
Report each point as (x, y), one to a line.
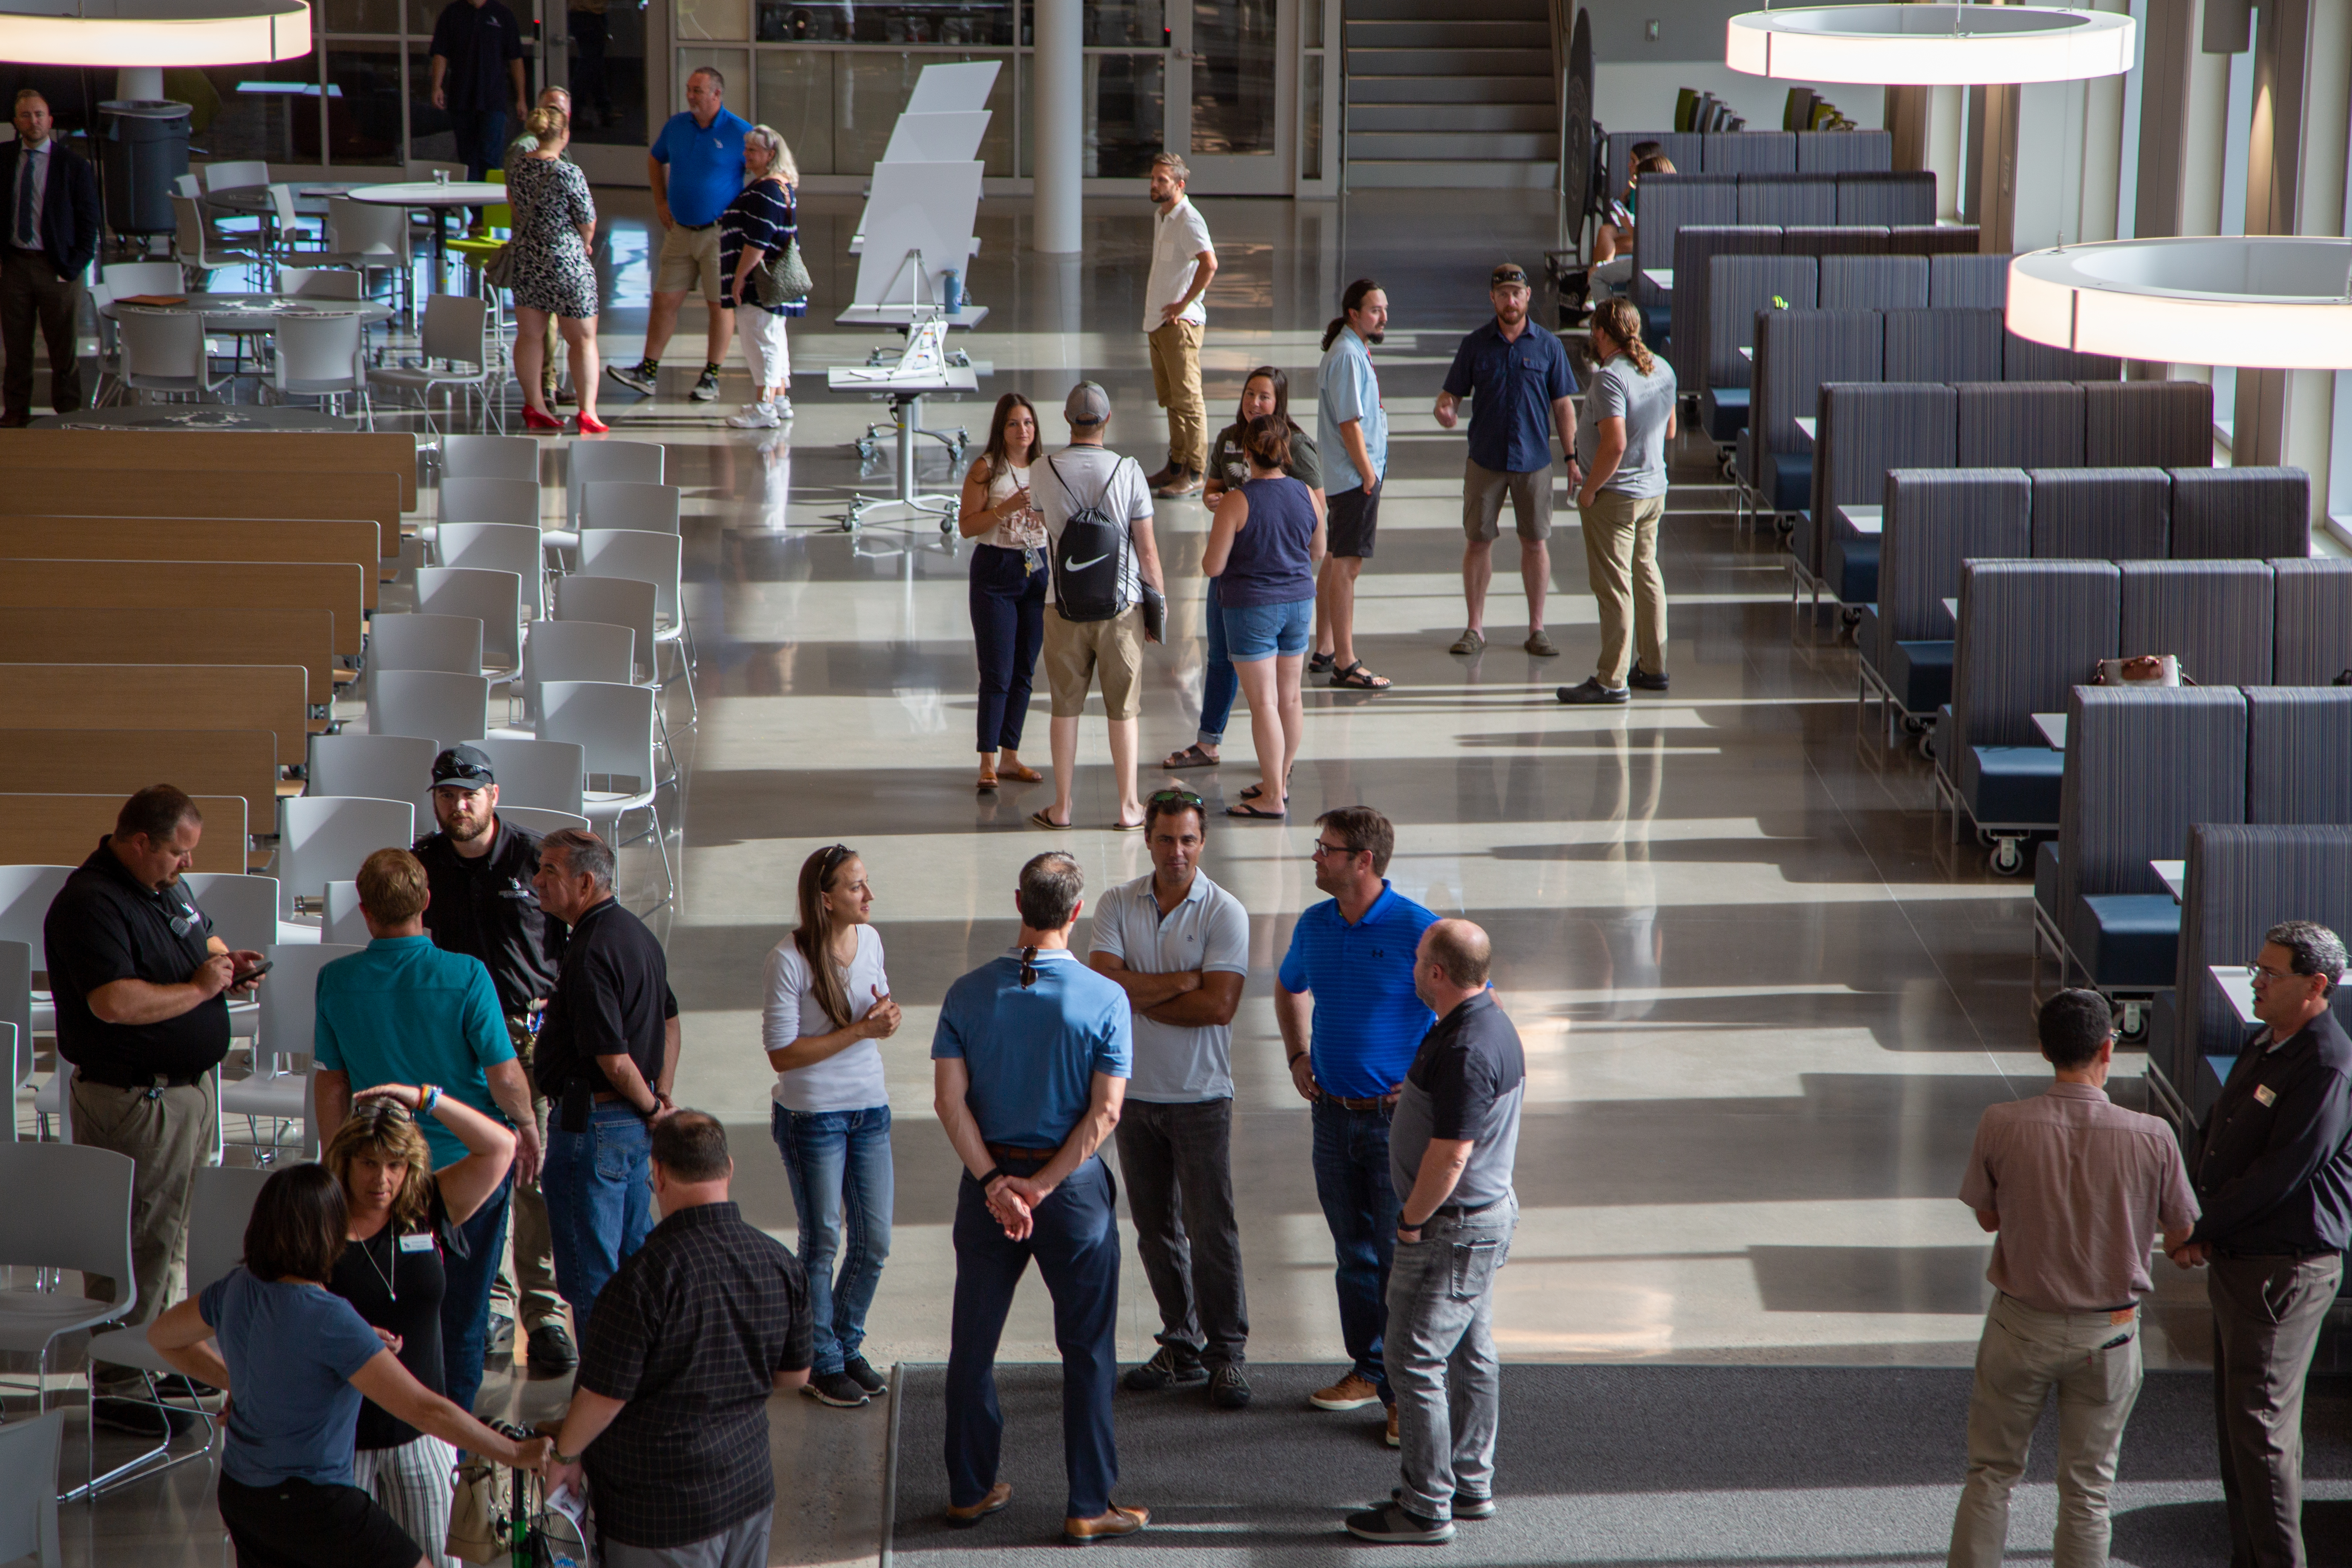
(1764, 1001)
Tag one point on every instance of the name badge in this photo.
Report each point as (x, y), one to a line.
(2266, 1095)
(421, 1242)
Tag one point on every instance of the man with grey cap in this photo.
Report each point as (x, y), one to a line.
(479, 868)
(1105, 567)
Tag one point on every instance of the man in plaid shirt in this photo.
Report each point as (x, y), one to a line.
(668, 1415)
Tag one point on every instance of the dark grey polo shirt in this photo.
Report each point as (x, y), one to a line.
(1466, 1081)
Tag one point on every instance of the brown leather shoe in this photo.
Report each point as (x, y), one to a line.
(999, 1498)
(1120, 1520)
(1167, 472)
(1183, 482)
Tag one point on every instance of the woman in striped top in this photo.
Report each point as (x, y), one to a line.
(762, 219)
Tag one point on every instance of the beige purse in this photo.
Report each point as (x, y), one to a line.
(2142, 670)
(477, 1525)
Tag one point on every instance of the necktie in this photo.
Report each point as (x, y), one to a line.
(28, 232)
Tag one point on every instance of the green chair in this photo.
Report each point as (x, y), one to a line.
(477, 250)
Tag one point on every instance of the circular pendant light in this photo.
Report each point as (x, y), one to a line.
(1929, 45)
(153, 32)
(2262, 302)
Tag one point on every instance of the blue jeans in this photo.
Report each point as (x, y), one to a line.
(481, 139)
(1360, 1204)
(1076, 1244)
(1008, 628)
(599, 1190)
(1218, 683)
(838, 1163)
(465, 1298)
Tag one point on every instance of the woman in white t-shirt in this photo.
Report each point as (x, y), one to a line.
(828, 1004)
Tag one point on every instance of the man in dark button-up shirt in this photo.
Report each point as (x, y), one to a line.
(669, 1414)
(608, 1054)
(2272, 1166)
(1516, 377)
(477, 75)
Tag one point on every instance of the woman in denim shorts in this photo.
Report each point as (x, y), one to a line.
(1262, 554)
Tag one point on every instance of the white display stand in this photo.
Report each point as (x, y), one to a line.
(945, 88)
(919, 226)
(952, 137)
(922, 369)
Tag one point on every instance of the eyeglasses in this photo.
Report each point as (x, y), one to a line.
(1322, 850)
(2263, 971)
(831, 862)
(1028, 967)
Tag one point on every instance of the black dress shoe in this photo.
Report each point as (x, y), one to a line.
(1646, 681)
(1592, 691)
(550, 1348)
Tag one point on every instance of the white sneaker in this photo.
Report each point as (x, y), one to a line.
(755, 417)
(783, 408)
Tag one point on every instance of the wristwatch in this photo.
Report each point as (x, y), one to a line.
(562, 1459)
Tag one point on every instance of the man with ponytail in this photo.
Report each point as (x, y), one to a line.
(1352, 432)
(1620, 443)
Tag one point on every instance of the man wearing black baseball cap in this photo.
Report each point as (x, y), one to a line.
(479, 869)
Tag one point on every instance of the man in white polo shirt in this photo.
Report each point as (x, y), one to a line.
(1179, 945)
(1183, 259)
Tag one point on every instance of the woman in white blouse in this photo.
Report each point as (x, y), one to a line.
(1008, 585)
(828, 1004)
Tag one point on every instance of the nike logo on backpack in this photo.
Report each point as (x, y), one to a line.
(1082, 565)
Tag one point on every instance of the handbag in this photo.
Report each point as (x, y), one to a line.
(499, 270)
(477, 1525)
(781, 276)
(2142, 670)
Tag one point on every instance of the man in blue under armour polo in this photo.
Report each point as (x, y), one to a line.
(1350, 1022)
(1030, 1067)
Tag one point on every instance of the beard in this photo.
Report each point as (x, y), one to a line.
(1373, 337)
(468, 831)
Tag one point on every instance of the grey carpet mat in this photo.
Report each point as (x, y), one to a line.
(1622, 1466)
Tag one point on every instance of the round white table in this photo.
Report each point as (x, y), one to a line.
(436, 197)
(248, 313)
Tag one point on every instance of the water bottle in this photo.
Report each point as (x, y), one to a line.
(951, 291)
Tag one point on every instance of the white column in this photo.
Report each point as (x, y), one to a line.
(1057, 138)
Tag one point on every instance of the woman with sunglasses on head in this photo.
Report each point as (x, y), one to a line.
(1263, 552)
(828, 1001)
(1008, 585)
(1266, 390)
(401, 1216)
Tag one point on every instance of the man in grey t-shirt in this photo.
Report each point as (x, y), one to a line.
(1452, 1142)
(1179, 945)
(1621, 442)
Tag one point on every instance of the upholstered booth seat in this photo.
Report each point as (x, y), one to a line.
(2128, 941)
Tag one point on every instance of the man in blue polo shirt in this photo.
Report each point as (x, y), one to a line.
(1516, 377)
(407, 1011)
(695, 168)
(1029, 1068)
(1350, 1022)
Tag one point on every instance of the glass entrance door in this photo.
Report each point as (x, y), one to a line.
(1230, 99)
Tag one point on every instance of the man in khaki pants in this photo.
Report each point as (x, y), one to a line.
(1620, 472)
(2073, 1188)
(1182, 261)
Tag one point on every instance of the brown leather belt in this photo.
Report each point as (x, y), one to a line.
(1377, 1102)
(1025, 1155)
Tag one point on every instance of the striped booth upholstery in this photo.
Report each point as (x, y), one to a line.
(1864, 430)
(1969, 282)
(1818, 151)
(2314, 608)
(2141, 767)
(2020, 425)
(1668, 203)
(2234, 515)
(1747, 153)
(1930, 239)
(1796, 353)
(2299, 754)
(1844, 152)
(1873, 282)
(2163, 424)
(2022, 359)
(1788, 198)
(2215, 616)
(1695, 249)
(2029, 631)
(2101, 514)
(1944, 345)
(2243, 880)
(1933, 520)
(1835, 239)
(1740, 287)
(1890, 199)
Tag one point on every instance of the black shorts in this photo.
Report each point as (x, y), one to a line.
(1353, 518)
(301, 1525)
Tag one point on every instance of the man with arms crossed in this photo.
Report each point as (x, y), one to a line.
(2073, 1189)
(1179, 945)
(1183, 259)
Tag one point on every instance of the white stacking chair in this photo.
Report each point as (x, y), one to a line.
(453, 354)
(547, 775)
(626, 602)
(68, 1208)
(489, 457)
(450, 709)
(236, 175)
(372, 237)
(493, 598)
(490, 500)
(164, 351)
(452, 644)
(371, 767)
(541, 821)
(345, 925)
(281, 1087)
(127, 278)
(202, 249)
(627, 503)
(324, 838)
(220, 1205)
(244, 912)
(26, 894)
(187, 185)
(575, 650)
(607, 459)
(614, 725)
(656, 558)
(498, 547)
(321, 356)
(29, 1451)
(291, 229)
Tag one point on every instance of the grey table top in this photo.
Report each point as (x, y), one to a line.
(200, 416)
(258, 313)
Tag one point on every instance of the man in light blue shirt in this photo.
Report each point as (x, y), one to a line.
(406, 1011)
(1030, 1067)
(1352, 432)
(695, 168)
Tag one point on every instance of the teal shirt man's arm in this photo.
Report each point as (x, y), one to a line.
(331, 1084)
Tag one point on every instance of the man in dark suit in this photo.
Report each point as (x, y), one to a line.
(2272, 1166)
(52, 224)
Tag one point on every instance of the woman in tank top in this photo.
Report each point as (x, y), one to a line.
(1008, 585)
(1263, 552)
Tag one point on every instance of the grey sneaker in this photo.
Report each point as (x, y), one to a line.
(1392, 1524)
(1228, 1388)
(637, 378)
(1170, 1366)
(1465, 1506)
(706, 387)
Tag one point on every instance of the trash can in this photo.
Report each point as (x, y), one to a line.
(144, 149)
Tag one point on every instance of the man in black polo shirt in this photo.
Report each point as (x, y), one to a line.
(1452, 1145)
(669, 1413)
(142, 989)
(479, 869)
(477, 74)
(608, 1054)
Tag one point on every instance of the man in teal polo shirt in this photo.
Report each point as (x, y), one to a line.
(1350, 1022)
(406, 1011)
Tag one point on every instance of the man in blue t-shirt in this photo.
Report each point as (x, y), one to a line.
(1350, 1022)
(1518, 381)
(1029, 1067)
(695, 168)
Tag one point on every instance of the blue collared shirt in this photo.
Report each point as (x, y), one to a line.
(1033, 1051)
(1345, 389)
(1511, 385)
(406, 1011)
(706, 164)
(1367, 1019)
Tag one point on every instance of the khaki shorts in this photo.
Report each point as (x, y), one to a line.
(1076, 652)
(688, 255)
(1482, 503)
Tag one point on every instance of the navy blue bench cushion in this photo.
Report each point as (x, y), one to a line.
(1920, 673)
(2128, 940)
(1792, 480)
(2016, 785)
(1723, 412)
(1852, 567)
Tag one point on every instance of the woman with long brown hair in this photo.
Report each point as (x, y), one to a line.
(1008, 585)
(828, 1004)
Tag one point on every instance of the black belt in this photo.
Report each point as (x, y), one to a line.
(147, 1081)
(1455, 1211)
(1018, 1152)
